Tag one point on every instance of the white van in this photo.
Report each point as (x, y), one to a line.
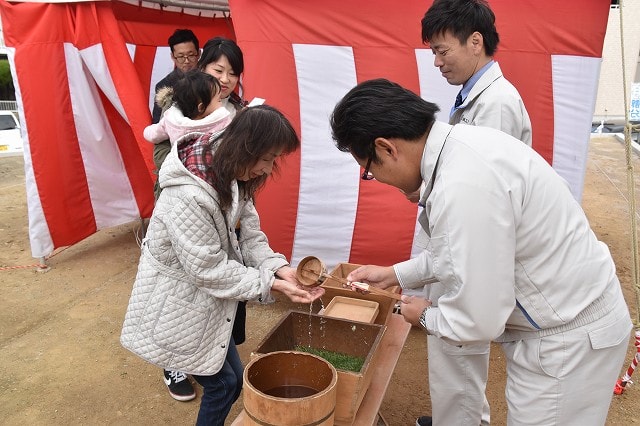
(10, 138)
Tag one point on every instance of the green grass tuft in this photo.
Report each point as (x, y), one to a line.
(339, 360)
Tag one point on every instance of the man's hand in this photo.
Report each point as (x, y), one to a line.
(376, 276)
(412, 308)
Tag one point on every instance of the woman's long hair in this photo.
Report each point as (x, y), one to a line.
(252, 134)
(213, 49)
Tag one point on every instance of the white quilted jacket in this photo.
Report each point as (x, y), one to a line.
(192, 272)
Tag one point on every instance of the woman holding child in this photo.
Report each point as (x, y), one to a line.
(196, 268)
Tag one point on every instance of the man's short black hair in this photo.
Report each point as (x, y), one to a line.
(183, 36)
(462, 18)
(379, 108)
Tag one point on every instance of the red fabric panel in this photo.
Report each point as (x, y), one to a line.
(53, 142)
(150, 27)
(569, 27)
(268, 30)
(277, 203)
(531, 74)
(384, 213)
(37, 18)
(134, 163)
(55, 154)
(143, 63)
(335, 22)
(530, 32)
(131, 95)
(57, 162)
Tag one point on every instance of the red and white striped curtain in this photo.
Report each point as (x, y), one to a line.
(85, 74)
(304, 56)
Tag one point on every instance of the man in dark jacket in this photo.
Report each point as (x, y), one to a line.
(185, 52)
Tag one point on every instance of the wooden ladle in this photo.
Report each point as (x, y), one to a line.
(311, 272)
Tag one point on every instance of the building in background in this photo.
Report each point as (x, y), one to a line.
(610, 107)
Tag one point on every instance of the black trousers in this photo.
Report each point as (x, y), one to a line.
(239, 324)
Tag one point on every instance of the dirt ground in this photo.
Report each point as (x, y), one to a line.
(61, 361)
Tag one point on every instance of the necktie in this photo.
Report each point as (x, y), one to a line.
(458, 100)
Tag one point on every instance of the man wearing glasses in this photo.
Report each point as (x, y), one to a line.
(185, 51)
(511, 247)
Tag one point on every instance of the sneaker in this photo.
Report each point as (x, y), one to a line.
(423, 421)
(179, 385)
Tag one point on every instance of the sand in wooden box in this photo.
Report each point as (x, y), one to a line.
(333, 288)
(357, 339)
(350, 308)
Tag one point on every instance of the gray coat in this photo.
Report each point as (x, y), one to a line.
(192, 272)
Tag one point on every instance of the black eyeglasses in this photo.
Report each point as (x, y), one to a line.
(192, 57)
(367, 175)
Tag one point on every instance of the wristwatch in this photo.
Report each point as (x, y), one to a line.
(423, 318)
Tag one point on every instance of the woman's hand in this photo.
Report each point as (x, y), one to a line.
(297, 293)
(287, 273)
(376, 276)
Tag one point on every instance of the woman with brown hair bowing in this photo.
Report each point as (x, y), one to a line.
(194, 267)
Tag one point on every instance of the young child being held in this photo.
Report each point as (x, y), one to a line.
(193, 106)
